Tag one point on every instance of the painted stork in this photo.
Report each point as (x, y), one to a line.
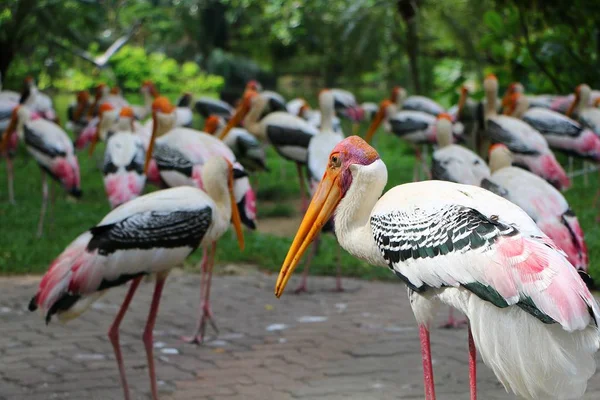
(530, 314)
(149, 93)
(246, 148)
(541, 201)
(37, 101)
(313, 117)
(415, 127)
(529, 147)
(76, 113)
(207, 106)
(580, 109)
(123, 167)
(318, 157)
(455, 163)
(369, 110)
(561, 132)
(539, 101)
(107, 117)
(288, 134)
(146, 236)
(51, 148)
(180, 156)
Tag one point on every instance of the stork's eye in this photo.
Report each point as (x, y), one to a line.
(335, 161)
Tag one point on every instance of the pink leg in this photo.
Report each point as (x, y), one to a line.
(40, 229)
(148, 332)
(427, 366)
(194, 337)
(472, 366)
(113, 333)
(453, 322)
(302, 187)
(338, 278)
(204, 312)
(10, 176)
(302, 287)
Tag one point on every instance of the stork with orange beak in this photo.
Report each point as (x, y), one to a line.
(530, 314)
(580, 109)
(180, 156)
(76, 112)
(51, 148)
(415, 127)
(288, 134)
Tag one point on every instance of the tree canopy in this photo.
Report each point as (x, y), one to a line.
(426, 45)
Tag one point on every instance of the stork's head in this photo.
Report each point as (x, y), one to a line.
(348, 155)
(490, 83)
(582, 96)
(500, 157)
(254, 85)
(211, 124)
(398, 95)
(115, 90)
(386, 107)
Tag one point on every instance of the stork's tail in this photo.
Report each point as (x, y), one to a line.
(530, 358)
(67, 276)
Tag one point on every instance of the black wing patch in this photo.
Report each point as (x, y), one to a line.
(170, 159)
(494, 188)
(407, 126)
(417, 105)
(37, 142)
(556, 126)
(402, 236)
(207, 108)
(152, 229)
(499, 135)
(285, 136)
(440, 170)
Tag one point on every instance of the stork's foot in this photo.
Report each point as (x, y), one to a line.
(453, 323)
(196, 339)
(302, 288)
(200, 334)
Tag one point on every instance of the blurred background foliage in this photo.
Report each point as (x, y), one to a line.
(429, 46)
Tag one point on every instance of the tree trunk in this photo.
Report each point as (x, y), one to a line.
(408, 11)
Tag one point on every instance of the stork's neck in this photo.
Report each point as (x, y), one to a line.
(251, 120)
(217, 189)
(491, 103)
(584, 100)
(353, 214)
(148, 99)
(327, 114)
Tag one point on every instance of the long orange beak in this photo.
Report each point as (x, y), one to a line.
(462, 100)
(238, 117)
(151, 145)
(375, 123)
(573, 105)
(6, 135)
(321, 208)
(235, 213)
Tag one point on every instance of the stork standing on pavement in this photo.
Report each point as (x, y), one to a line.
(530, 314)
(149, 235)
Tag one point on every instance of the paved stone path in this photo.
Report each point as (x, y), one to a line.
(361, 344)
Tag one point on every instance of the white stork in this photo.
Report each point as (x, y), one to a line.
(561, 132)
(52, 149)
(123, 166)
(530, 148)
(288, 134)
(318, 158)
(415, 127)
(541, 201)
(580, 109)
(246, 147)
(530, 314)
(146, 236)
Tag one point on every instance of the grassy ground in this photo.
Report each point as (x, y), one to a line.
(21, 252)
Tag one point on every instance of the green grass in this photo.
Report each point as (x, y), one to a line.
(21, 252)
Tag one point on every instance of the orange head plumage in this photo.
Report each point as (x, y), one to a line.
(163, 105)
(211, 124)
(105, 107)
(127, 112)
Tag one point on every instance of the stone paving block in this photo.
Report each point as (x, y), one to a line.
(366, 348)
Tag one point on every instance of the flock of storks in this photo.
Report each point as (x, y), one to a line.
(497, 241)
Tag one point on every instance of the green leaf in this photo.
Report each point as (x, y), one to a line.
(494, 21)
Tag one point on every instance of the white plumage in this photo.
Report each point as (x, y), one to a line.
(531, 316)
